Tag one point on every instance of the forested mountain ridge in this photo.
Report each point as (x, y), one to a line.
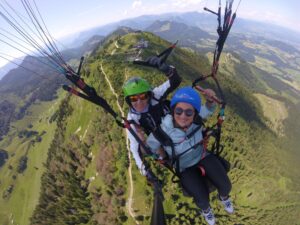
(35, 80)
(6, 68)
(172, 31)
(239, 149)
(86, 181)
(28, 104)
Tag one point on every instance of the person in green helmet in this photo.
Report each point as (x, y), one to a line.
(147, 106)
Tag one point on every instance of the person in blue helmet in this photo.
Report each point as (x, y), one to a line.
(185, 131)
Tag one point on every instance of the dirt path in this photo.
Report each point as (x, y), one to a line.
(131, 188)
(114, 50)
(116, 44)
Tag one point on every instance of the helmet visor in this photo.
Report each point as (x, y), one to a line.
(142, 96)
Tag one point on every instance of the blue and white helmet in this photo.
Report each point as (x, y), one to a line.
(187, 95)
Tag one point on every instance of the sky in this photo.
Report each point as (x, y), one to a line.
(64, 17)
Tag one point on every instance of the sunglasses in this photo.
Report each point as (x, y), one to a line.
(188, 112)
(135, 98)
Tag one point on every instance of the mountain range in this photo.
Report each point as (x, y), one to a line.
(9, 66)
(203, 21)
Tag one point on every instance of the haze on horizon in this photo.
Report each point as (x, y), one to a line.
(69, 17)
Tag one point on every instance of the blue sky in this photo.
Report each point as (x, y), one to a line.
(67, 16)
(64, 17)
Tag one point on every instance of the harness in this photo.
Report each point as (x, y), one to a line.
(166, 141)
(152, 118)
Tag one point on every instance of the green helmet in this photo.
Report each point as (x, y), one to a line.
(136, 85)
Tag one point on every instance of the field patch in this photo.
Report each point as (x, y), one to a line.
(275, 111)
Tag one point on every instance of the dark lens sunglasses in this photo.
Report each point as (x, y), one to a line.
(135, 98)
(188, 112)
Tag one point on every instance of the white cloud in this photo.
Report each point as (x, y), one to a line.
(271, 17)
(136, 4)
(139, 7)
(265, 16)
(185, 3)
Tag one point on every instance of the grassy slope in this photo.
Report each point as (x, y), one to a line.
(21, 203)
(275, 111)
(284, 181)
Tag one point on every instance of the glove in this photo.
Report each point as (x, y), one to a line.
(209, 95)
(155, 62)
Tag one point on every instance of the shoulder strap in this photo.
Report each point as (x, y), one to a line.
(162, 136)
(193, 132)
(197, 120)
